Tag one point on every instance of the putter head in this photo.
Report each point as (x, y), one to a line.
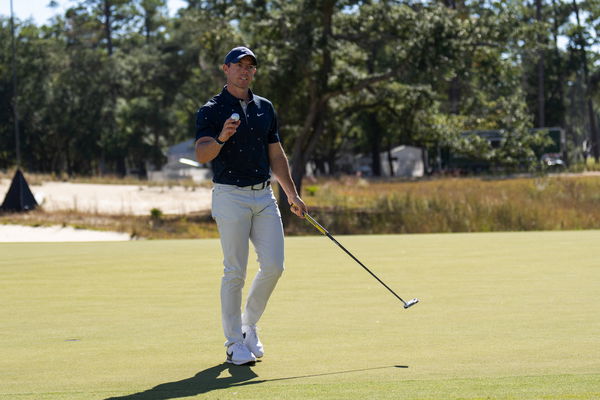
(411, 303)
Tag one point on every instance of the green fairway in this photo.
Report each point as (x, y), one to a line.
(502, 316)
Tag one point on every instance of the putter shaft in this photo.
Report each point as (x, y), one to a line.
(325, 232)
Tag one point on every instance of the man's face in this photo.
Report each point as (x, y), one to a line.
(240, 74)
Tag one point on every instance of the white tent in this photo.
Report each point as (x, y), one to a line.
(407, 161)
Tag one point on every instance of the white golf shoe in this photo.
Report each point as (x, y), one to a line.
(252, 341)
(239, 354)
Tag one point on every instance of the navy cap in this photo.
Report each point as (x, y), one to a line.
(237, 53)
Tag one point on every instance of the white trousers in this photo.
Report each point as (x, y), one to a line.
(245, 215)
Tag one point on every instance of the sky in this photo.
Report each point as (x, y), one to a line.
(40, 12)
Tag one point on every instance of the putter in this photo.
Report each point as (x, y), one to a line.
(326, 233)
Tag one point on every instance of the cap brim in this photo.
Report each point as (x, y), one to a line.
(241, 56)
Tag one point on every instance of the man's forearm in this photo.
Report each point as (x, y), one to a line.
(207, 149)
(281, 170)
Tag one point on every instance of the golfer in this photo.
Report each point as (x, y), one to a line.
(237, 131)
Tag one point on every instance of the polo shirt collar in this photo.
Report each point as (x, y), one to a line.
(231, 99)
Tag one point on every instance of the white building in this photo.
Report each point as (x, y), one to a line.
(406, 162)
(181, 164)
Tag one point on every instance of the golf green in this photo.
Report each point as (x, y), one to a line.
(502, 316)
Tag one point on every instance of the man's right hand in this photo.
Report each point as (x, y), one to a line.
(229, 128)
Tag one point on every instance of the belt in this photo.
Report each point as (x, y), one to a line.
(257, 186)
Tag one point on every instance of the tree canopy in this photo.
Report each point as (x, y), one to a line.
(109, 85)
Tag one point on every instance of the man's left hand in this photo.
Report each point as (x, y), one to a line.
(297, 206)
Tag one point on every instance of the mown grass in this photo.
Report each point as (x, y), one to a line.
(502, 316)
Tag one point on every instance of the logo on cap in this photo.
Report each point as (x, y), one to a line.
(237, 53)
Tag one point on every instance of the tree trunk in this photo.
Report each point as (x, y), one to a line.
(305, 140)
(594, 140)
(454, 95)
(319, 95)
(541, 112)
(375, 135)
(108, 26)
(593, 130)
(450, 4)
(454, 89)
(373, 129)
(561, 94)
(15, 96)
(390, 159)
(376, 158)
(313, 123)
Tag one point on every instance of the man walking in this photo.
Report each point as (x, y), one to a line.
(238, 132)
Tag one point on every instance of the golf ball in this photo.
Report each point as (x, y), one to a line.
(235, 116)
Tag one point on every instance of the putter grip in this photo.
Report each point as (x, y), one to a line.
(316, 224)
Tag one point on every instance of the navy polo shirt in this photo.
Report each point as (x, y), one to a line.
(244, 158)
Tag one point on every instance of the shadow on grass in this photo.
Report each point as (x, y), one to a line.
(330, 373)
(202, 382)
(207, 380)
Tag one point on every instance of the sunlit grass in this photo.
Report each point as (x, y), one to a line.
(458, 204)
(502, 316)
(353, 206)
